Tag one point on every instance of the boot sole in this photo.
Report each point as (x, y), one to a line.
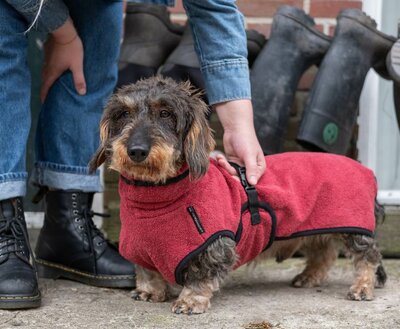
(20, 302)
(49, 270)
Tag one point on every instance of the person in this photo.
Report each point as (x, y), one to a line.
(79, 74)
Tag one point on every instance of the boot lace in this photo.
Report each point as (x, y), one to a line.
(12, 235)
(93, 231)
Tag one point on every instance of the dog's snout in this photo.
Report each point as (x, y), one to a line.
(138, 153)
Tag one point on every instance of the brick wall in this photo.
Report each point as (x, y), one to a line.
(258, 13)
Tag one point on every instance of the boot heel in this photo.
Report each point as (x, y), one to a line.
(46, 272)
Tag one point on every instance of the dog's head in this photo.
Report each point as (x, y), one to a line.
(151, 128)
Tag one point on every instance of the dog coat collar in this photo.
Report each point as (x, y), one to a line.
(164, 227)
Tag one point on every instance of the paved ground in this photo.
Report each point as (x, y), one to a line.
(259, 298)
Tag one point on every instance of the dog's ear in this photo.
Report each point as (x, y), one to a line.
(199, 141)
(100, 156)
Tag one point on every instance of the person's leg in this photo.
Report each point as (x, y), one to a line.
(69, 244)
(18, 282)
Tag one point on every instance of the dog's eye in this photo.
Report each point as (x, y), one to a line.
(164, 114)
(123, 115)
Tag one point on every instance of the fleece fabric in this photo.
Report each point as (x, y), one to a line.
(165, 226)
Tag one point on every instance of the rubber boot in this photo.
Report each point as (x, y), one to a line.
(255, 42)
(293, 47)
(331, 110)
(71, 246)
(149, 38)
(183, 64)
(18, 279)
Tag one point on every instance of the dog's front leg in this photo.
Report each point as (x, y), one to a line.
(204, 275)
(150, 286)
(195, 298)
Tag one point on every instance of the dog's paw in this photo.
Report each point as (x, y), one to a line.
(360, 293)
(191, 306)
(306, 281)
(148, 297)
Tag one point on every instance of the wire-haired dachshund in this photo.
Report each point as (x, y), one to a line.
(186, 221)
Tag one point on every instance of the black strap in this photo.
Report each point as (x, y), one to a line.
(251, 191)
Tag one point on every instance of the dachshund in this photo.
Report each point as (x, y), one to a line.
(155, 133)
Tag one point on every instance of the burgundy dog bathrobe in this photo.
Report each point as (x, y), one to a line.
(164, 226)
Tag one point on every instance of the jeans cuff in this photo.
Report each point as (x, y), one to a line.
(12, 185)
(227, 81)
(65, 177)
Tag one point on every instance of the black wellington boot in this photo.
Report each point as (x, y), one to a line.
(183, 63)
(149, 38)
(255, 42)
(331, 110)
(70, 246)
(293, 47)
(18, 279)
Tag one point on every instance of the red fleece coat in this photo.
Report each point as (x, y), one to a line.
(165, 226)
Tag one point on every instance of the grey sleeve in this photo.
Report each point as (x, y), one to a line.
(53, 13)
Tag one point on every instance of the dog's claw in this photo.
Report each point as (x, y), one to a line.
(360, 295)
(178, 310)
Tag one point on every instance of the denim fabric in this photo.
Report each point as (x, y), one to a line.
(52, 15)
(221, 45)
(169, 3)
(68, 127)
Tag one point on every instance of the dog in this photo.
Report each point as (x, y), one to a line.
(156, 135)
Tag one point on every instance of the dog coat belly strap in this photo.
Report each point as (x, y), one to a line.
(251, 193)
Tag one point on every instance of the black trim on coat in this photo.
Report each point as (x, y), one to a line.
(332, 230)
(185, 261)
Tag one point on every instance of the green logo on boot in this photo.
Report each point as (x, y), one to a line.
(330, 133)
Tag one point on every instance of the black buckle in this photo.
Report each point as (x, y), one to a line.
(252, 195)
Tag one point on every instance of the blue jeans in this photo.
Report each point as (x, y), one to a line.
(68, 126)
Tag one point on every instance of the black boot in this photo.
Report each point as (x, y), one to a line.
(255, 42)
(331, 110)
(18, 279)
(183, 63)
(149, 38)
(293, 47)
(70, 246)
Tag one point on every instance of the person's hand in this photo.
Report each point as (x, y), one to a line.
(240, 140)
(63, 51)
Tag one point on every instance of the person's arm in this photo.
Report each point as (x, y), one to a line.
(220, 42)
(53, 13)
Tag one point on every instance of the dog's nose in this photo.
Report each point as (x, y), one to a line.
(138, 153)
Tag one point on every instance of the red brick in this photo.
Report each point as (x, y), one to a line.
(319, 27)
(178, 7)
(307, 79)
(332, 30)
(262, 8)
(331, 8)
